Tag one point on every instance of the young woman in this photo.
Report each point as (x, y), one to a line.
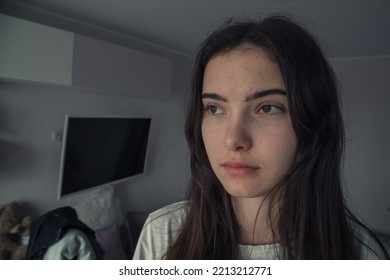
(266, 138)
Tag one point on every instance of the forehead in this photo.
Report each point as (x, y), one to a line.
(247, 48)
(244, 66)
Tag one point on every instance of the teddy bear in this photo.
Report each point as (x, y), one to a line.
(12, 230)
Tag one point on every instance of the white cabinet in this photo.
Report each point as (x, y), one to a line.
(35, 52)
(38, 53)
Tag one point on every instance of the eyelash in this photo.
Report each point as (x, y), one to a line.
(209, 107)
(279, 108)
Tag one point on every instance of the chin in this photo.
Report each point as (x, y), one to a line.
(247, 192)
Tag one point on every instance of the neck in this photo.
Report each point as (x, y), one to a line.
(253, 219)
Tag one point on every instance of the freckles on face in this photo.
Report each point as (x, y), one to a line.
(246, 127)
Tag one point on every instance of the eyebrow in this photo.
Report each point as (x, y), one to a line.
(256, 95)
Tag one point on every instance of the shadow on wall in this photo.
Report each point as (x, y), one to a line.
(14, 158)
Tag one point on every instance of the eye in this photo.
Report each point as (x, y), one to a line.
(213, 110)
(270, 109)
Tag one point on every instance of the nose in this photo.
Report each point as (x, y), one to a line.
(237, 137)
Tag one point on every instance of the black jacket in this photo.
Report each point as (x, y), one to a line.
(51, 227)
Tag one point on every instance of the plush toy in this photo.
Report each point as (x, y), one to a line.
(12, 230)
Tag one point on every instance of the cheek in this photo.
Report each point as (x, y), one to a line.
(211, 140)
(207, 136)
(281, 148)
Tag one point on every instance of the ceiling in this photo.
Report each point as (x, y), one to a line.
(345, 28)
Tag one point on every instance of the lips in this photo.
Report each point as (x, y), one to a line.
(239, 168)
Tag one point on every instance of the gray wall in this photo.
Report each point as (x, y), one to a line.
(366, 86)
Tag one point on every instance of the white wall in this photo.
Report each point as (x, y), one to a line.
(29, 112)
(366, 86)
(29, 159)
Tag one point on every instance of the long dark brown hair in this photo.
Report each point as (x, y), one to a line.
(313, 221)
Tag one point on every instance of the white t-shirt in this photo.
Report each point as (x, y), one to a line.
(162, 226)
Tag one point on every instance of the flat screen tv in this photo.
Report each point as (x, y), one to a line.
(101, 150)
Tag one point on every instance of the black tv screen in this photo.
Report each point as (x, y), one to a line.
(98, 151)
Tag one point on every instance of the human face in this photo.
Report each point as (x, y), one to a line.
(246, 127)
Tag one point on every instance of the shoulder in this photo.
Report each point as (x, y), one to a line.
(159, 231)
(171, 213)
